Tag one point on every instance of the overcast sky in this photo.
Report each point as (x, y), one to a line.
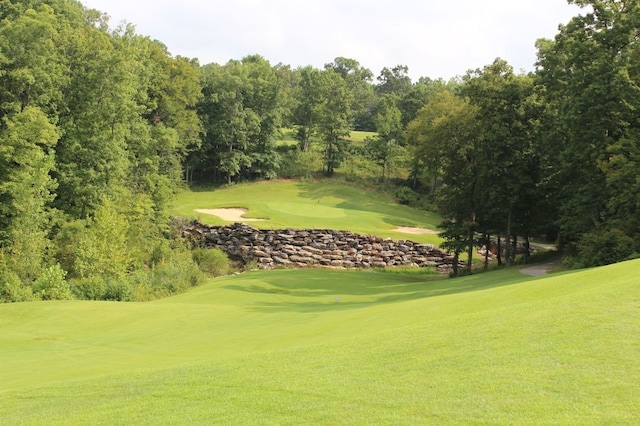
(442, 38)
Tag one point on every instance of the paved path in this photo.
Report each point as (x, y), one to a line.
(542, 269)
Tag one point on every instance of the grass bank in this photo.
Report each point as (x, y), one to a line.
(334, 347)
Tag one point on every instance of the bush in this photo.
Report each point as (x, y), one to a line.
(118, 289)
(52, 285)
(603, 246)
(92, 288)
(298, 164)
(211, 261)
(12, 290)
(66, 243)
(406, 196)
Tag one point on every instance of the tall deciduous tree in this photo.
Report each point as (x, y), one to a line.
(590, 76)
(359, 81)
(241, 115)
(429, 133)
(309, 95)
(26, 189)
(385, 147)
(335, 119)
(510, 169)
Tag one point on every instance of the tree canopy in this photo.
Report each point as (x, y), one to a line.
(101, 126)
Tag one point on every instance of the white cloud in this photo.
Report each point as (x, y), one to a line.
(433, 38)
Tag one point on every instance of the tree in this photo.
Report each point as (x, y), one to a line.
(359, 81)
(590, 79)
(386, 146)
(241, 114)
(309, 95)
(428, 135)
(394, 81)
(32, 72)
(420, 94)
(510, 169)
(460, 196)
(335, 119)
(26, 189)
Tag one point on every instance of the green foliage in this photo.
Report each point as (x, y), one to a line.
(241, 116)
(117, 289)
(51, 285)
(406, 195)
(103, 248)
(90, 288)
(213, 261)
(299, 164)
(66, 244)
(602, 247)
(588, 76)
(12, 289)
(26, 188)
(334, 124)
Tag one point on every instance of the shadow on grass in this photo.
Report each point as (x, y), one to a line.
(318, 291)
(353, 198)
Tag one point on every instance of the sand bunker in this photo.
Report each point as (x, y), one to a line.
(230, 214)
(415, 231)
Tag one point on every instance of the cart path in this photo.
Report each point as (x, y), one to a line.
(542, 269)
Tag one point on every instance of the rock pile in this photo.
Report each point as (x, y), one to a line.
(316, 247)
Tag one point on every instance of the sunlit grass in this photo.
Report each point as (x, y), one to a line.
(320, 204)
(334, 347)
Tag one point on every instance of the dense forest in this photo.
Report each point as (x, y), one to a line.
(100, 127)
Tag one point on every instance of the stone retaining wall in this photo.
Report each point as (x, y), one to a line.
(316, 247)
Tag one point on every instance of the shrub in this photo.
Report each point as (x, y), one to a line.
(142, 289)
(118, 289)
(92, 288)
(406, 195)
(66, 243)
(251, 265)
(298, 164)
(603, 246)
(12, 289)
(211, 261)
(52, 285)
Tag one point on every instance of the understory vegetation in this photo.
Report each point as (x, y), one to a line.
(101, 127)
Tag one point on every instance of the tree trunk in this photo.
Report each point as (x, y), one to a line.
(527, 250)
(470, 247)
(456, 256)
(507, 249)
(487, 246)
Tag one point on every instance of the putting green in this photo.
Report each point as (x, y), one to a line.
(306, 210)
(302, 205)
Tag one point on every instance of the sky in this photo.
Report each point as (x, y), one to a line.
(436, 39)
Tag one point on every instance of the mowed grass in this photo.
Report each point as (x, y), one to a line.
(315, 204)
(360, 136)
(277, 347)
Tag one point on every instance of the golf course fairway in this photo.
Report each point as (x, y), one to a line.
(334, 347)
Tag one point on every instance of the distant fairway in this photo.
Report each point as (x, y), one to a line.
(295, 204)
(334, 347)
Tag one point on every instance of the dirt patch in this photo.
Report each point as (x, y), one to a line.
(234, 214)
(415, 231)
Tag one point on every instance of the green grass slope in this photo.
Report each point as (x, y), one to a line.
(279, 348)
(295, 204)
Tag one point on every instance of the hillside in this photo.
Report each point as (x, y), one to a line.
(289, 347)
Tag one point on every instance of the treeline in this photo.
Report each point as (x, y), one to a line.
(100, 127)
(95, 125)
